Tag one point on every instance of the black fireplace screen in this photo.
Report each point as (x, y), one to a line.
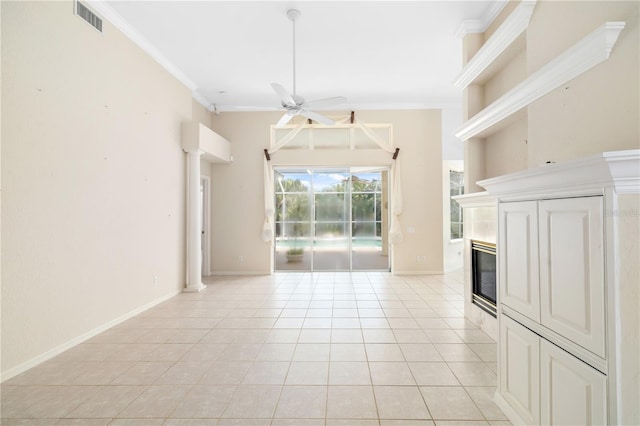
(483, 266)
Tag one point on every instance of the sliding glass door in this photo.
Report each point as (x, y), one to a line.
(331, 220)
(293, 220)
(368, 241)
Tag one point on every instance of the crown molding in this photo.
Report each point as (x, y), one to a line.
(202, 100)
(121, 24)
(469, 26)
(443, 104)
(515, 24)
(579, 58)
(473, 26)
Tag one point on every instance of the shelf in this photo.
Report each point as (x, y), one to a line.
(579, 58)
(505, 42)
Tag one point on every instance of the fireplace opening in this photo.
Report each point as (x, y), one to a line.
(483, 276)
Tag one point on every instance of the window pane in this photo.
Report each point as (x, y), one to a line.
(331, 139)
(363, 206)
(330, 230)
(456, 187)
(279, 215)
(363, 229)
(365, 182)
(330, 181)
(295, 207)
(296, 230)
(330, 207)
(300, 141)
(292, 182)
(455, 212)
(456, 231)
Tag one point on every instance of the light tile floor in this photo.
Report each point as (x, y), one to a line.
(289, 349)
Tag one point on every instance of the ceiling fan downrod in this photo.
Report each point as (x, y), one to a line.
(294, 14)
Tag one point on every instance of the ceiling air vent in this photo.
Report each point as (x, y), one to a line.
(85, 13)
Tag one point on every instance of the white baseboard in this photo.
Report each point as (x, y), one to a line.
(453, 269)
(239, 273)
(508, 411)
(21, 368)
(417, 272)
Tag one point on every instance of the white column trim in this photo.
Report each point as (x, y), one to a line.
(194, 240)
(206, 261)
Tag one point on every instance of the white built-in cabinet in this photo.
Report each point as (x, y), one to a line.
(546, 385)
(551, 265)
(560, 295)
(571, 392)
(520, 369)
(518, 266)
(572, 297)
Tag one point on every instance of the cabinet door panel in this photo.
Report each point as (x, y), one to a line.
(572, 296)
(518, 257)
(572, 393)
(519, 367)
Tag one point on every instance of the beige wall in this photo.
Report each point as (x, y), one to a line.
(93, 180)
(237, 194)
(506, 149)
(200, 113)
(599, 110)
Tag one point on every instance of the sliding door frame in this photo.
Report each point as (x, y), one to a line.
(347, 221)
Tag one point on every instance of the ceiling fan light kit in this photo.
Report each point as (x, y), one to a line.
(295, 105)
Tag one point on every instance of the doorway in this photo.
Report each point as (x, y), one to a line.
(330, 219)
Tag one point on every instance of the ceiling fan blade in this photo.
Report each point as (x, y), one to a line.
(284, 120)
(323, 103)
(317, 117)
(285, 97)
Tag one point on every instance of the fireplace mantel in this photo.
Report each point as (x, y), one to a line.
(475, 199)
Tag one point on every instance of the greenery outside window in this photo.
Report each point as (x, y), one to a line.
(456, 187)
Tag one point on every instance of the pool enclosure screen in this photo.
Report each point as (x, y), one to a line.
(331, 219)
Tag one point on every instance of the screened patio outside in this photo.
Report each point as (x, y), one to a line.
(331, 219)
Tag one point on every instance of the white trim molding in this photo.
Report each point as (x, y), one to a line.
(515, 24)
(617, 169)
(579, 58)
(21, 368)
(103, 8)
(475, 199)
(472, 26)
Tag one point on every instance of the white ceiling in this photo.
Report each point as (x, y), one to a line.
(378, 54)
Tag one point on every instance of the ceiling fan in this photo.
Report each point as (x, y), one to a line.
(295, 105)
